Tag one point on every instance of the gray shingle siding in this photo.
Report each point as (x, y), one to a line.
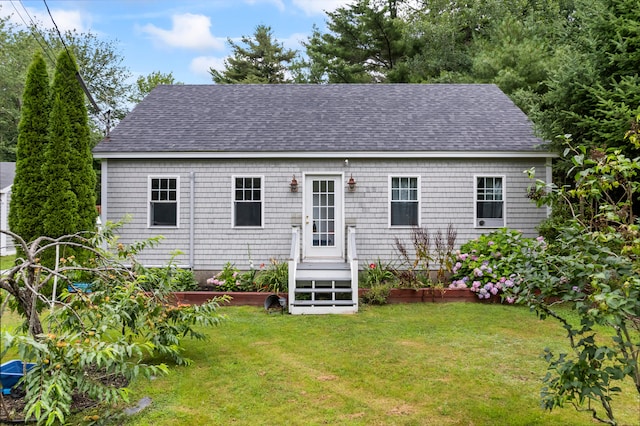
(446, 192)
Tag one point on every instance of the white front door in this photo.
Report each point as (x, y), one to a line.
(323, 223)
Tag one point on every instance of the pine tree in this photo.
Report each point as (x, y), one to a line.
(365, 44)
(29, 185)
(595, 93)
(263, 61)
(82, 177)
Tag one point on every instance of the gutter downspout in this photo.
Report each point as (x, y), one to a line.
(192, 202)
(549, 179)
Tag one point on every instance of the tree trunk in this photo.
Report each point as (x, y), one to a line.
(28, 302)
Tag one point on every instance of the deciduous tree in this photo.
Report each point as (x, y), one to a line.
(16, 53)
(592, 268)
(77, 349)
(145, 84)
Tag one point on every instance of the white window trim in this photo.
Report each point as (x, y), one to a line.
(475, 201)
(389, 179)
(233, 201)
(149, 179)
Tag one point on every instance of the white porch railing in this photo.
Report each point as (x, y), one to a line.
(294, 258)
(352, 258)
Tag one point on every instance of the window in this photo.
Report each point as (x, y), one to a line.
(247, 201)
(404, 203)
(163, 201)
(490, 201)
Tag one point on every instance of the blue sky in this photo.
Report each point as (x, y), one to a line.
(184, 37)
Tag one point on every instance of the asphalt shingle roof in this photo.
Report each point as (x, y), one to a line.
(321, 118)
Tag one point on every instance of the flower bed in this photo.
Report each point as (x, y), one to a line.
(428, 295)
(235, 298)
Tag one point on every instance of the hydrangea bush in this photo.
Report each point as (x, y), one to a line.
(231, 279)
(486, 265)
(273, 278)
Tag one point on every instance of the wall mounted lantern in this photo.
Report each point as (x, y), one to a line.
(351, 183)
(294, 184)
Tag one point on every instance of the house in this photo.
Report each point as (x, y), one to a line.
(7, 172)
(323, 176)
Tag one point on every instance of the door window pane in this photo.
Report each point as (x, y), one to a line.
(323, 213)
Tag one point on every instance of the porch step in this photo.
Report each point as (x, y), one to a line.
(323, 303)
(324, 290)
(321, 271)
(323, 265)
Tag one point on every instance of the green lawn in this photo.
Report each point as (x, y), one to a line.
(418, 364)
(6, 261)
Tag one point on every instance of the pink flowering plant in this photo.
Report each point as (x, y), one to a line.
(231, 279)
(487, 265)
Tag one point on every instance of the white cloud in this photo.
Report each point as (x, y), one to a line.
(318, 7)
(278, 3)
(294, 41)
(67, 20)
(201, 64)
(188, 31)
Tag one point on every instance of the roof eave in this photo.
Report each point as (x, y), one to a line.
(322, 155)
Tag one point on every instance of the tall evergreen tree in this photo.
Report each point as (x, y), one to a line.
(60, 211)
(29, 185)
(82, 177)
(594, 93)
(365, 44)
(263, 60)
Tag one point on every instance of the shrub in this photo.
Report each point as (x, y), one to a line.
(377, 294)
(488, 264)
(183, 280)
(167, 278)
(174, 278)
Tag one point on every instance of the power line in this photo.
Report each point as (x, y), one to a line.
(78, 76)
(34, 30)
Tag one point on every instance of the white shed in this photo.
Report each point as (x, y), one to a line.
(7, 172)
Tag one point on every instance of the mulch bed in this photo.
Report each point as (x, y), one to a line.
(12, 406)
